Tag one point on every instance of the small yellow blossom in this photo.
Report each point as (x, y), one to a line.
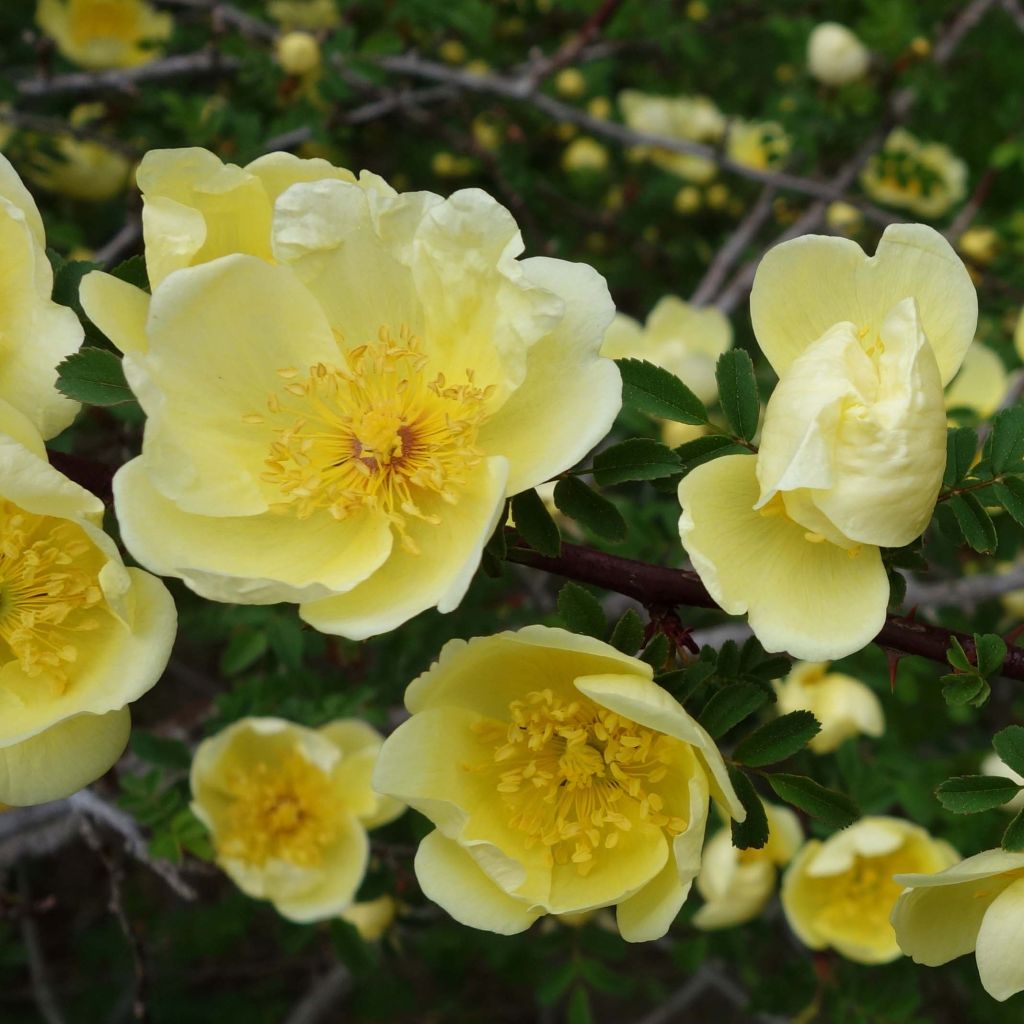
(688, 200)
(100, 34)
(979, 244)
(853, 445)
(981, 383)
(371, 918)
(697, 10)
(736, 884)
(843, 705)
(448, 165)
(288, 809)
(994, 765)
(36, 334)
(920, 46)
(478, 67)
(486, 133)
(570, 83)
(839, 893)
(683, 339)
(717, 196)
(693, 118)
(600, 107)
(298, 53)
(81, 636)
(925, 178)
(757, 144)
(304, 15)
(835, 56)
(453, 51)
(571, 781)
(975, 906)
(585, 154)
(342, 385)
(843, 218)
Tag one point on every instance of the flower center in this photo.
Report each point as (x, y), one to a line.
(573, 776)
(49, 584)
(103, 19)
(376, 433)
(286, 812)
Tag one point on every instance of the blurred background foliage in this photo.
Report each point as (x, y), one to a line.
(577, 195)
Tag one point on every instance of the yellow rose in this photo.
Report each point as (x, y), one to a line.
(839, 893)
(340, 428)
(288, 809)
(976, 905)
(843, 705)
(853, 445)
(981, 383)
(925, 178)
(100, 34)
(80, 169)
(736, 884)
(683, 339)
(570, 781)
(35, 333)
(81, 636)
(835, 56)
(757, 144)
(695, 118)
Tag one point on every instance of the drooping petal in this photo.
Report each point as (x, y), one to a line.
(767, 567)
(117, 308)
(1001, 944)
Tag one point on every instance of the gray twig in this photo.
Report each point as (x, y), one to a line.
(42, 985)
(323, 998)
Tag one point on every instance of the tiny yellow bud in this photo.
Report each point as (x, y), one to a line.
(478, 67)
(920, 47)
(585, 154)
(565, 130)
(614, 198)
(453, 51)
(570, 83)
(785, 73)
(486, 134)
(843, 218)
(688, 200)
(297, 53)
(600, 106)
(979, 245)
(697, 10)
(717, 196)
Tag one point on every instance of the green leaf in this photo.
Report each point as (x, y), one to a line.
(628, 634)
(961, 444)
(161, 751)
(957, 656)
(1006, 442)
(730, 705)
(703, 449)
(962, 688)
(737, 392)
(752, 832)
(535, 525)
(1009, 492)
(975, 523)
(833, 809)
(94, 376)
(579, 1007)
(990, 651)
(68, 279)
(778, 739)
(597, 513)
(1009, 745)
(640, 458)
(657, 651)
(969, 794)
(581, 611)
(1013, 837)
(133, 271)
(655, 391)
(243, 650)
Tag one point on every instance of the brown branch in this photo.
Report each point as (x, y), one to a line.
(569, 53)
(42, 984)
(657, 587)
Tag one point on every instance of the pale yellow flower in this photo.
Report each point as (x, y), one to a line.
(35, 333)
(79, 168)
(100, 34)
(337, 411)
(757, 144)
(994, 765)
(81, 636)
(975, 906)
(306, 15)
(585, 154)
(835, 56)
(853, 445)
(685, 340)
(569, 782)
(288, 809)
(979, 244)
(843, 705)
(839, 893)
(737, 884)
(981, 383)
(843, 218)
(371, 918)
(297, 53)
(695, 118)
(925, 178)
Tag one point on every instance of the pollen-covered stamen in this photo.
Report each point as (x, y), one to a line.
(49, 590)
(285, 812)
(574, 776)
(379, 432)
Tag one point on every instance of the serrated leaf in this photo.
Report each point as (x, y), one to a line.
(1009, 745)
(957, 656)
(581, 611)
(833, 809)
(1005, 446)
(657, 651)
(969, 794)
(1013, 837)
(703, 449)
(730, 705)
(94, 376)
(1009, 492)
(990, 652)
(737, 392)
(628, 634)
(68, 279)
(640, 458)
(962, 688)
(534, 523)
(579, 1007)
(655, 391)
(597, 513)
(897, 589)
(728, 661)
(778, 739)
(961, 444)
(159, 750)
(752, 832)
(243, 650)
(133, 271)
(975, 523)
